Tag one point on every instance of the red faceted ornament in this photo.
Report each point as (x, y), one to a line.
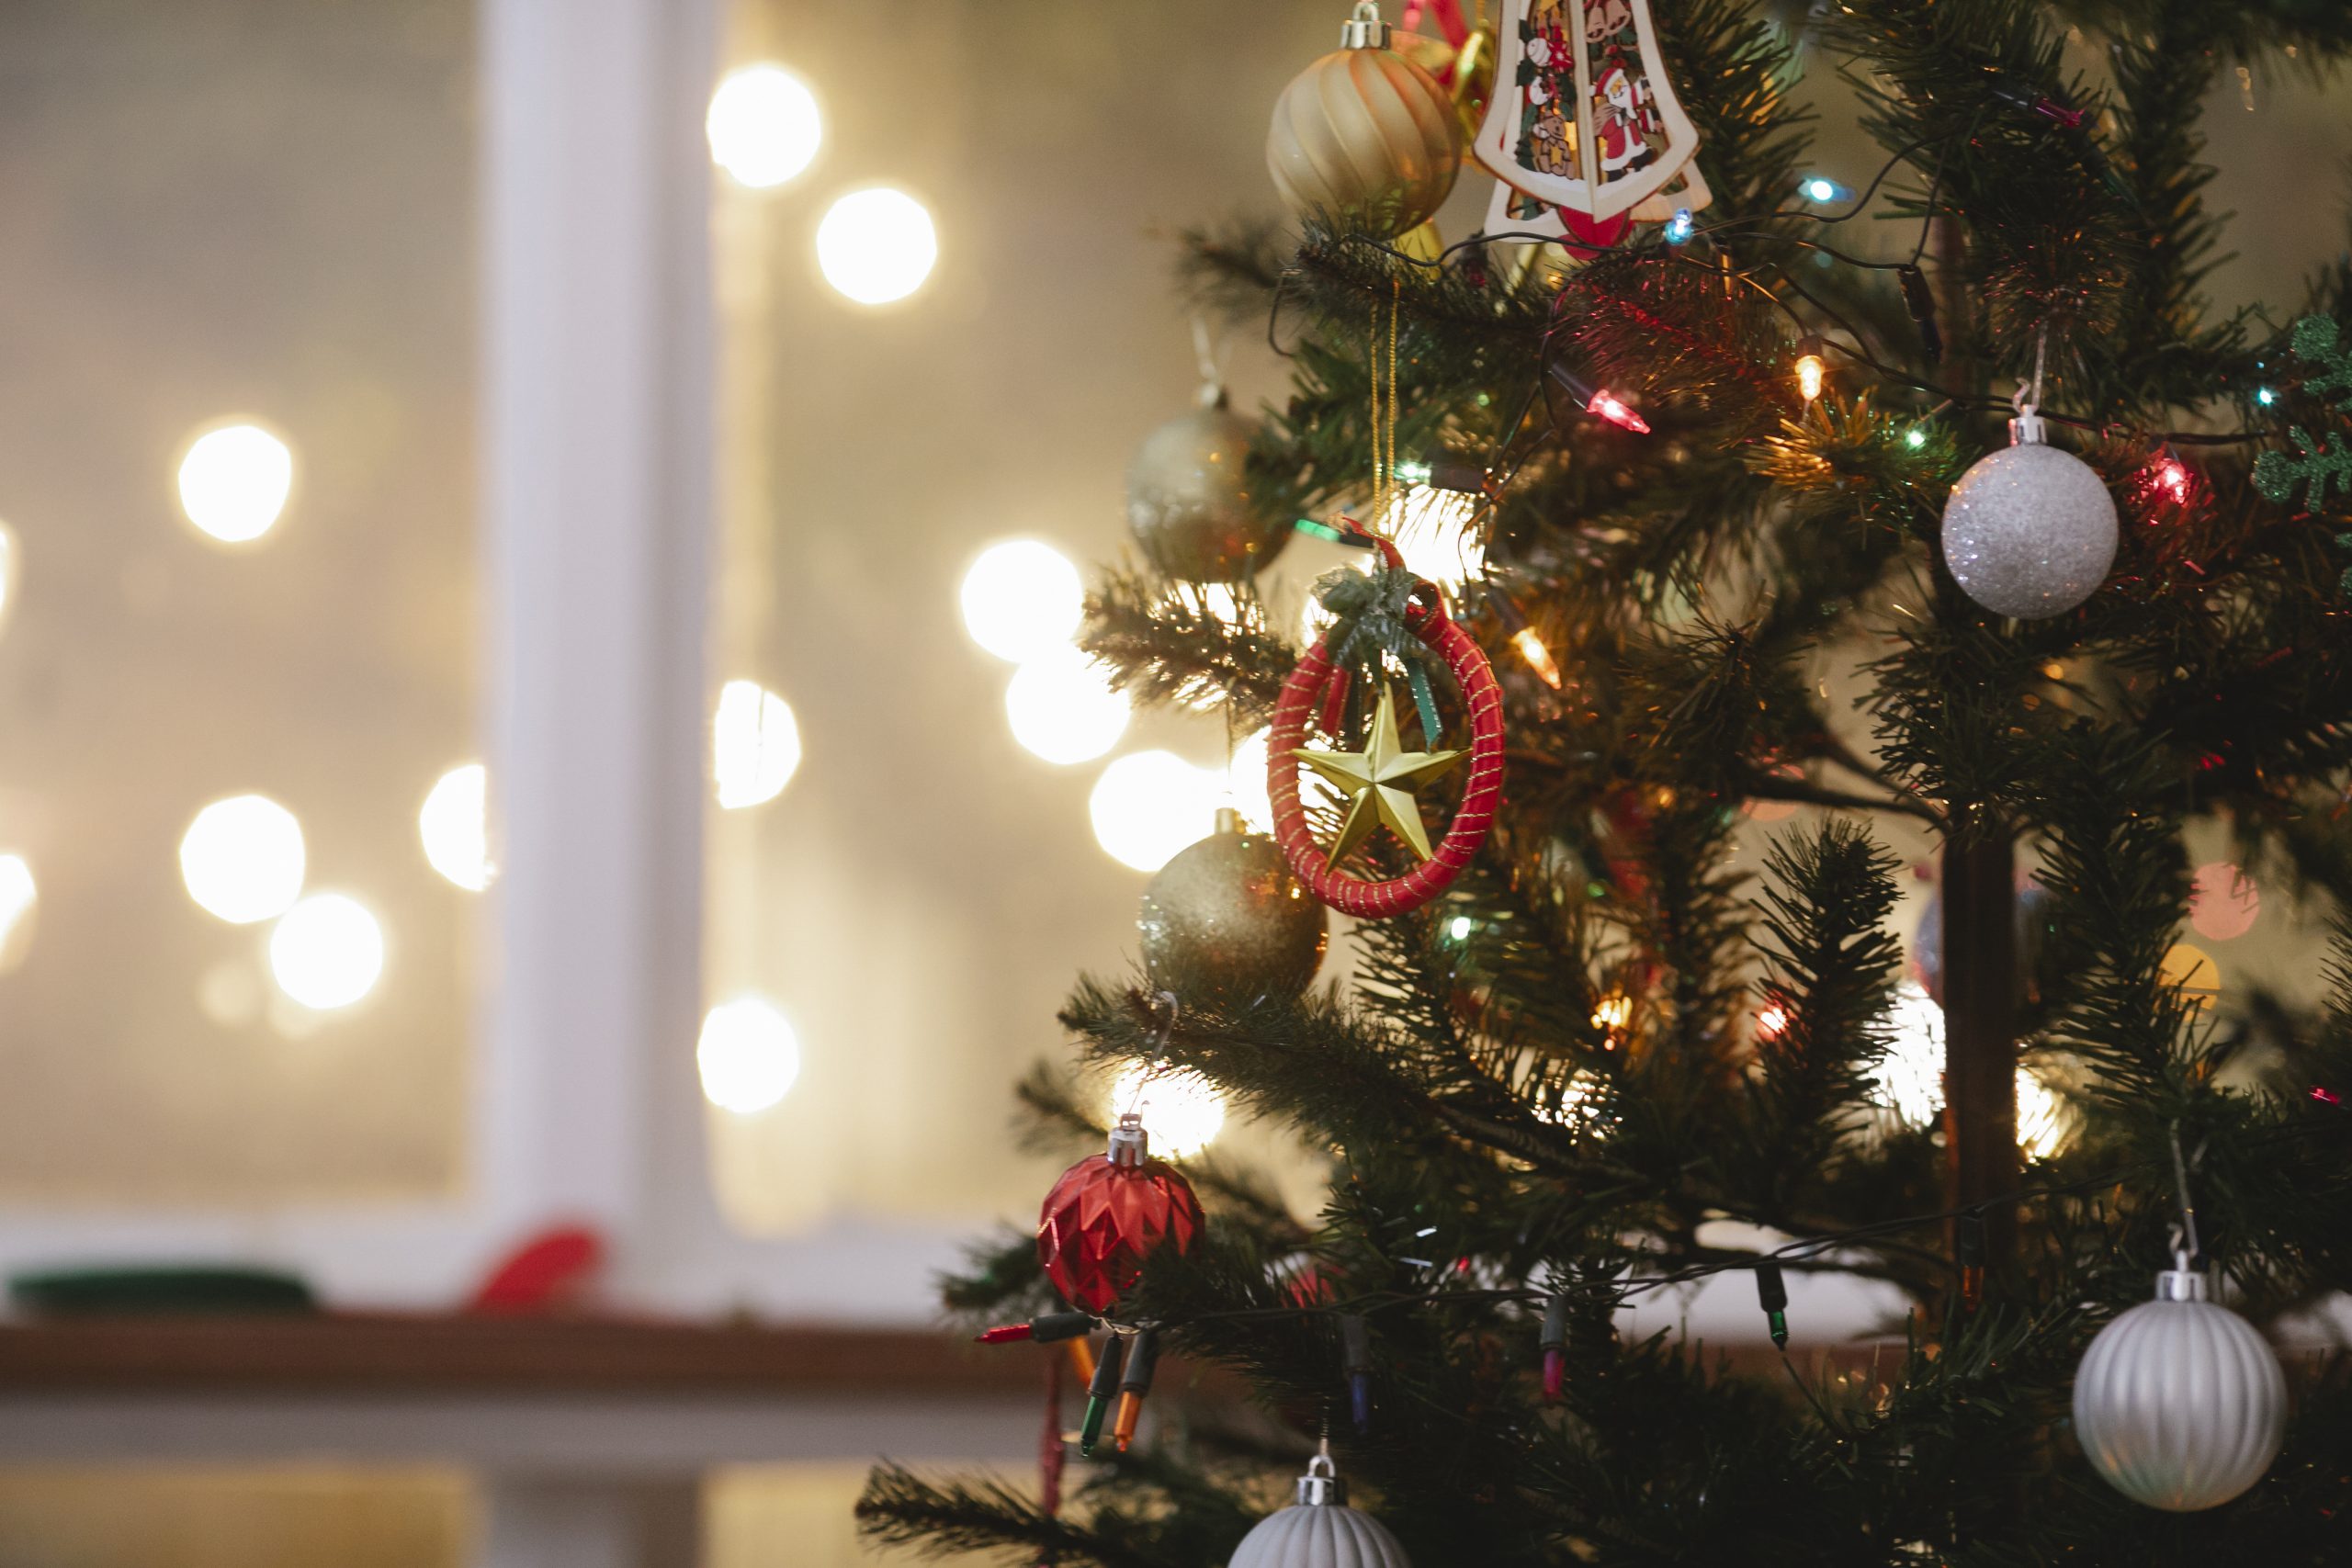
(1108, 1213)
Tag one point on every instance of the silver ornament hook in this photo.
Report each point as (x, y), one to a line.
(2027, 429)
(1321, 1487)
(1208, 353)
(1162, 1032)
(1365, 29)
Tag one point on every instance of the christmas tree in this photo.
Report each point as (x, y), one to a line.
(1972, 520)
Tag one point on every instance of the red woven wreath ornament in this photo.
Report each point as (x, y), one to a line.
(1108, 1213)
(1318, 688)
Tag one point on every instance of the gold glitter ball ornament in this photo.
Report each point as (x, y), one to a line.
(1226, 919)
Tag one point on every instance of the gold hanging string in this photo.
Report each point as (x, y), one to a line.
(1383, 412)
(1395, 306)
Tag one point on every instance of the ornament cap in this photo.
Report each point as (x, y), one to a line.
(1365, 29)
(1130, 1144)
(2183, 1285)
(1228, 820)
(2027, 429)
(1321, 1487)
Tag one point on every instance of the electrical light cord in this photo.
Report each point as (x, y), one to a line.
(1804, 1252)
(1751, 229)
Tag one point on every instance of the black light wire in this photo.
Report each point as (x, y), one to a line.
(1649, 252)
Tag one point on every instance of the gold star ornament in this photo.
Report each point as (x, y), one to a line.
(1379, 782)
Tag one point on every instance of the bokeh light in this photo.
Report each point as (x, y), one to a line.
(1244, 783)
(1023, 600)
(1148, 806)
(1314, 620)
(1577, 1105)
(1245, 788)
(764, 126)
(243, 859)
(1062, 708)
(454, 824)
(2223, 903)
(327, 952)
(1911, 1077)
(2042, 1117)
(1181, 1111)
(2193, 970)
(12, 572)
(1432, 529)
(754, 745)
(747, 1057)
(19, 901)
(234, 480)
(877, 246)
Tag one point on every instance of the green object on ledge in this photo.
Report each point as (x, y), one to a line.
(117, 1292)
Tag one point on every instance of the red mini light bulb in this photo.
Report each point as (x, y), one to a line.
(1616, 412)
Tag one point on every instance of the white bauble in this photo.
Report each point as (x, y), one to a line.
(2179, 1403)
(1320, 1532)
(2030, 531)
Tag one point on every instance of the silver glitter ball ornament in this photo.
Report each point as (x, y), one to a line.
(2179, 1403)
(1189, 503)
(1226, 919)
(2030, 532)
(1319, 1530)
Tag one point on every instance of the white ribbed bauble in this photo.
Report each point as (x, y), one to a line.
(2179, 1403)
(1319, 1530)
(1364, 137)
(2030, 531)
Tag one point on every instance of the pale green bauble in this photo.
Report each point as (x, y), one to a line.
(1189, 501)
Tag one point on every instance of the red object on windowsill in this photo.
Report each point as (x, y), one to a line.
(550, 1273)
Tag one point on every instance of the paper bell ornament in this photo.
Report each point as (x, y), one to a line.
(1319, 1530)
(1108, 1213)
(1583, 115)
(1364, 136)
(2179, 1403)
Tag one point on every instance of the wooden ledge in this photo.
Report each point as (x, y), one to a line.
(343, 1352)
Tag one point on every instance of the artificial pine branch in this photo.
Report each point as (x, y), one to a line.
(1830, 966)
(900, 1509)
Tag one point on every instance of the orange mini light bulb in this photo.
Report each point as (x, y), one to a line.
(1812, 368)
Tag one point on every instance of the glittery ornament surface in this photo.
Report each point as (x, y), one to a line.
(2030, 531)
(1227, 918)
(1101, 1220)
(1188, 499)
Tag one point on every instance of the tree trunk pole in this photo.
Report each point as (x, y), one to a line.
(1980, 982)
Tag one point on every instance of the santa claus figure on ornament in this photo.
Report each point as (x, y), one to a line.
(1622, 132)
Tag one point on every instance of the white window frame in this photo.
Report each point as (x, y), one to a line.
(596, 456)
